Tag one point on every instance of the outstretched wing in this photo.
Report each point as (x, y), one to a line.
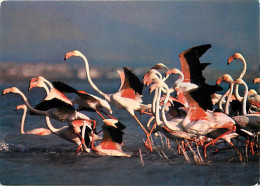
(130, 84)
(191, 66)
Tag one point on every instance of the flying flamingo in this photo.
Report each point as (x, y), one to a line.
(230, 59)
(37, 131)
(111, 143)
(58, 110)
(85, 101)
(129, 95)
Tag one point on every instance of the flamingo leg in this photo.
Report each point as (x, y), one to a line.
(147, 134)
(100, 115)
(108, 115)
(150, 133)
(238, 152)
(168, 143)
(92, 142)
(213, 141)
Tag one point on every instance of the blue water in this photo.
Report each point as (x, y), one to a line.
(30, 159)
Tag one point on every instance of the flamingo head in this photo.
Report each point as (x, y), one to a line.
(20, 107)
(234, 56)
(110, 122)
(252, 92)
(226, 78)
(153, 87)
(239, 81)
(256, 80)
(173, 71)
(160, 66)
(150, 77)
(72, 53)
(11, 90)
(37, 83)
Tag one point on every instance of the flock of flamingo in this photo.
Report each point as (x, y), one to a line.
(189, 111)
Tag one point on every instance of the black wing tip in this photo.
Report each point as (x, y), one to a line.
(63, 87)
(120, 125)
(134, 81)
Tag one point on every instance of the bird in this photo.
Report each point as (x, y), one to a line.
(58, 110)
(230, 59)
(129, 94)
(36, 131)
(249, 122)
(111, 143)
(65, 132)
(85, 100)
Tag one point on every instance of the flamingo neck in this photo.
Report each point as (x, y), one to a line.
(106, 96)
(222, 99)
(23, 120)
(180, 79)
(244, 68)
(47, 82)
(155, 98)
(229, 98)
(157, 114)
(50, 126)
(29, 106)
(165, 121)
(238, 97)
(245, 98)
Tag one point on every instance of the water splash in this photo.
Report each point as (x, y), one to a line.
(4, 147)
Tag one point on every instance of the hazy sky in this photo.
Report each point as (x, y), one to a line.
(131, 33)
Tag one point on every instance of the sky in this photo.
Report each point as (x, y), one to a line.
(130, 33)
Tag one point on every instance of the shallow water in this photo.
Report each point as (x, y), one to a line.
(30, 159)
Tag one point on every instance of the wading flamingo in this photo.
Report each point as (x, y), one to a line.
(111, 143)
(58, 110)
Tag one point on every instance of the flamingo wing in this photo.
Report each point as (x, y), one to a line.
(202, 95)
(131, 84)
(62, 87)
(116, 134)
(191, 66)
(54, 104)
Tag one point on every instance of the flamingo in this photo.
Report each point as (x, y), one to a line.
(230, 59)
(85, 101)
(201, 121)
(37, 131)
(111, 143)
(249, 122)
(65, 132)
(58, 110)
(129, 95)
